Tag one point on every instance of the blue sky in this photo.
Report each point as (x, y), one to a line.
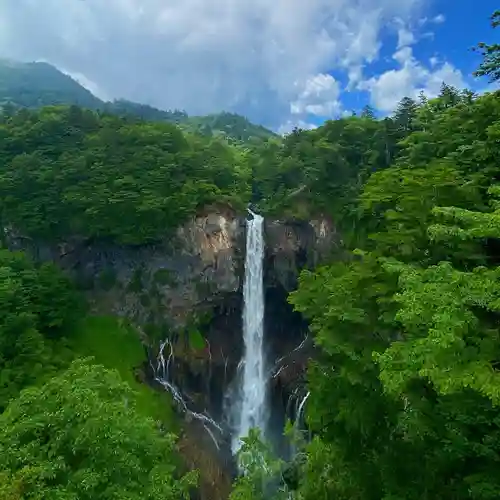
(444, 32)
(281, 63)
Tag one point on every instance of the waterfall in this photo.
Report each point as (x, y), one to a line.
(162, 376)
(252, 402)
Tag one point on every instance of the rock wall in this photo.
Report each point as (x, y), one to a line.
(193, 280)
(292, 245)
(159, 284)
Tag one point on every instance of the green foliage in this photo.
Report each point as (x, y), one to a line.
(33, 85)
(321, 171)
(396, 205)
(490, 65)
(79, 437)
(234, 128)
(37, 306)
(122, 107)
(66, 171)
(37, 84)
(445, 341)
(116, 345)
(260, 472)
(405, 392)
(196, 340)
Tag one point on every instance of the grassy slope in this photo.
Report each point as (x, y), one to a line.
(117, 346)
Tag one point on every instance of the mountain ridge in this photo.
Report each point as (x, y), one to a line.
(38, 84)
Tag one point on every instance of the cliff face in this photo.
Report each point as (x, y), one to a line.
(193, 282)
(292, 245)
(156, 285)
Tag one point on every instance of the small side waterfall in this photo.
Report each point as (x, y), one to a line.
(251, 405)
(162, 376)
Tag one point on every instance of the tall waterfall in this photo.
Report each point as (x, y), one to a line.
(252, 407)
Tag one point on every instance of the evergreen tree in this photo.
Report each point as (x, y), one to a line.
(405, 114)
(490, 66)
(368, 112)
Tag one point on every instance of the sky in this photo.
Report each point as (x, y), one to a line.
(281, 63)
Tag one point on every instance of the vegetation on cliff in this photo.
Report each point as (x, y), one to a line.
(75, 429)
(73, 172)
(404, 397)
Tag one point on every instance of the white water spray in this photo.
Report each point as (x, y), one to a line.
(252, 408)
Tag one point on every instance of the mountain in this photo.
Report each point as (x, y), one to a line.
(37, 84)
(233, 127)
(229, 125)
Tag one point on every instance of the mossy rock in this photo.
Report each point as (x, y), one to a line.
(136, 284)
(196, 340)
(145, 300)
(164, 277)
(107, 278)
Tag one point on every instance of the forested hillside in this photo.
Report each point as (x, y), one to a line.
(37, 84)
(405, 391)
(74, 172)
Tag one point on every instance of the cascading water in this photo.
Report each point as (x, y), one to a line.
(251, 407)
(162, 375)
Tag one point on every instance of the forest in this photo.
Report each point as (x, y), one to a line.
(405, 394)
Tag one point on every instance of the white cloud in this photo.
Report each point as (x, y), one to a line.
(354, 76)
(320, 97)
(88, 84)
(439, 19)
(403, 56)
(405, 37)
(387, 89)
(289, 125)
(255, 57)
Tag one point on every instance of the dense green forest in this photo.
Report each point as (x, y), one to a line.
(405, 393)
(74, 172)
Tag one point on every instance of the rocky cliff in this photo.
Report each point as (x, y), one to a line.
(187, 288)
(191, 283)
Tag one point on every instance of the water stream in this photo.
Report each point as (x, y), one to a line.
(251, 405)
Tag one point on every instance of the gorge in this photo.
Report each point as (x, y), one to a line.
(186, 296)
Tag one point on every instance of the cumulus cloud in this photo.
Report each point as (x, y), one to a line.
(262, 58)
(412, 77)
(320, 97)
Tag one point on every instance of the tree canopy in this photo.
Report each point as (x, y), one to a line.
(79, 437)
(72, 172)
